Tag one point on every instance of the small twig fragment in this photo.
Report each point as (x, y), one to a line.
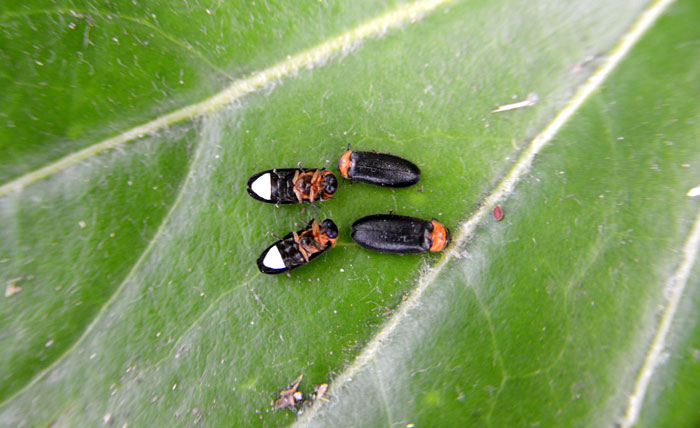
(12, 287)
(530, 101)
(695, 191)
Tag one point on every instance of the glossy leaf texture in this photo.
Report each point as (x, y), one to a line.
(135, 297)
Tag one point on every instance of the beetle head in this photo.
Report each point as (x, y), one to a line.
(329, 229)
(331, 184)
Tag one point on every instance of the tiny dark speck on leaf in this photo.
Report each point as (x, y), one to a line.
(498, 213)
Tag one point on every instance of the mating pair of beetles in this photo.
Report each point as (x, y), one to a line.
(385, 233)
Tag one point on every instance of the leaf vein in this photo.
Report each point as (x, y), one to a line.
(166, 220)
(239, 88)
(504, 188)
(9, 15)
(674, 288)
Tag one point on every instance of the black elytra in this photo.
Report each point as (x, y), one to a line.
(396, 234)
(379, 169)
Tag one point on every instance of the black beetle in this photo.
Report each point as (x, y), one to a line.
(390, 233)
(292, 185)
(380, 169)
(298, 248)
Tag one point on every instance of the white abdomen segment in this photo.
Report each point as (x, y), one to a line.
(273, 259)
(262, 186)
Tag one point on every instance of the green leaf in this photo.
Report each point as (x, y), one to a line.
(546, 319)
(672, 398)
(134, 294)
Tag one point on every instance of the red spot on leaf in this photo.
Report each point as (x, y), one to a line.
(497, 213)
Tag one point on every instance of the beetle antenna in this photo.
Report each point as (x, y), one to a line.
(316, 210)
(301, 220)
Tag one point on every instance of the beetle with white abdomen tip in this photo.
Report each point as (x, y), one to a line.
(380, 169)
(396, 234)
(292, 185)
(298, 248)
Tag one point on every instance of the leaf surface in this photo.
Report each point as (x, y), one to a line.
(140, 302)
(546, 319)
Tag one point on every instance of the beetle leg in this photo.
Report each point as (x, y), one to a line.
(316, 177)
(300, 246)
(319, 238)
(319, 246)
(299, 195)
(304, 253)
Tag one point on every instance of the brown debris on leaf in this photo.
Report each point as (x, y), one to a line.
(320, 391)
(289, 397)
